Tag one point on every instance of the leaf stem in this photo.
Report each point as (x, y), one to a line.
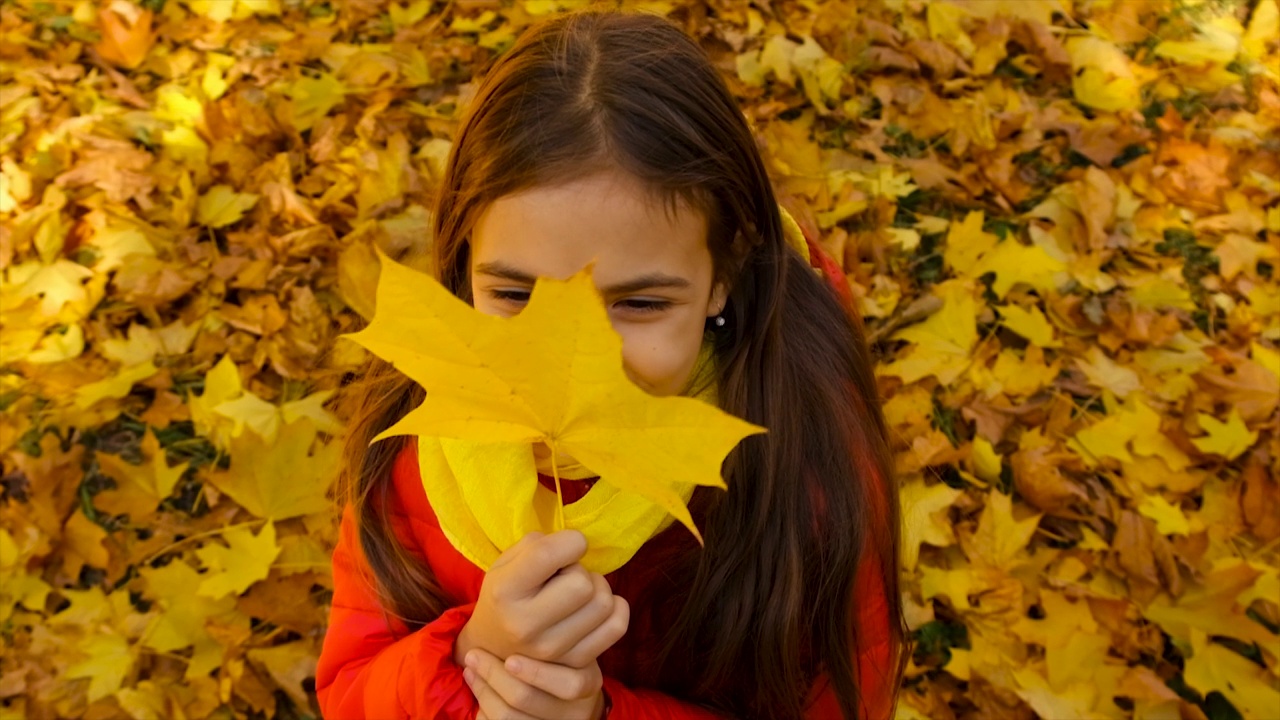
(555, 473)
(216, 531)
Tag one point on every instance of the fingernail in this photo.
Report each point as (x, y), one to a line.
(514, 665)
(469, 675)
(470, 660)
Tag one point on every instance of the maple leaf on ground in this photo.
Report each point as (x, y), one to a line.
(1246, 685)
(1228, 439)
(283, 478)
(944, 340)
(289, 665)
(139, 488)
(246, 560)
(552, 374)
(114, 387)
(126, 34)
(924, 518)
(221, 205)
(1000, 537)
(111, 658)
(1030, 324)
(181, 622)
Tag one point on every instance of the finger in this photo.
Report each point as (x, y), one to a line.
(602, 638)
(572, 625)
(555, 679)
(491, 702)
(543, 557)
(565, 593)
(521, 697)
(516, 549)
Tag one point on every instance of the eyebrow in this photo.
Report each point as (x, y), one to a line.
(647, 281)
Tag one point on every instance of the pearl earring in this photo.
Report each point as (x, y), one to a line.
(719, 321)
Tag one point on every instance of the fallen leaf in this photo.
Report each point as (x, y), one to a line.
(126, 36)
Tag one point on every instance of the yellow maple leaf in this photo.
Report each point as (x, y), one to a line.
(1213, 45)
(1030, 324)
(1107, 374)
(1107, 438)
(279, 478)
(115, 387)
(246, 560)
(1076, 702)
(111, 657)
(115, 243)
(967, 241)
(1169, 518)
(56, 284)
(999, 537)
(147, 699)
(56, 347)
(1264, 26)
(944, 340)
(139, 488)
(1268, 358)
(924, 518)
(1228, 439)
(986, 461)
(221, 205)
(1018, 376)
(1103, 77)
(946, 23)
(955, 585)
(139, 347)
(1241, 681)
(1149, 440)
(1013, 263)
(553, 374)
(82, 545)
(182, 617)
(313, 98)
(223, 10)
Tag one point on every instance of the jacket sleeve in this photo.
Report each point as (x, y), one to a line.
(642, 704)
(366, 670)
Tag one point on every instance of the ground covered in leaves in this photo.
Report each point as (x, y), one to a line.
(1061, 217)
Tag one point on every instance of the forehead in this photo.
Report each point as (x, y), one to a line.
(610, 217)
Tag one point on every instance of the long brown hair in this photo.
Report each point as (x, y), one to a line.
(770, 596)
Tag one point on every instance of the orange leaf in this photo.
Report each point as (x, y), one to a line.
(125, 40)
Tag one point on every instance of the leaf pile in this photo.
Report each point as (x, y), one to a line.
(1061, 219)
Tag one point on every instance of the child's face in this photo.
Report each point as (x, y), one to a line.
(654, 272)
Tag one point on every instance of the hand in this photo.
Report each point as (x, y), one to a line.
(528, 689)
(539, 602)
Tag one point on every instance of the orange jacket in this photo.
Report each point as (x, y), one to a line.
(371, 669)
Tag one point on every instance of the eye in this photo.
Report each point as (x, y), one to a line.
(631, 305)
(518, 297)
(637, 305)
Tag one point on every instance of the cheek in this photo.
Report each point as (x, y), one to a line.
(660, 359)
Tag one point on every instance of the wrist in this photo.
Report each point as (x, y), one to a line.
(462, 644)
(604, 704)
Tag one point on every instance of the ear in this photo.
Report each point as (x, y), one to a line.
(719, 298)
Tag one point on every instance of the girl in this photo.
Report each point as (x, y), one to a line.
(611, 137)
